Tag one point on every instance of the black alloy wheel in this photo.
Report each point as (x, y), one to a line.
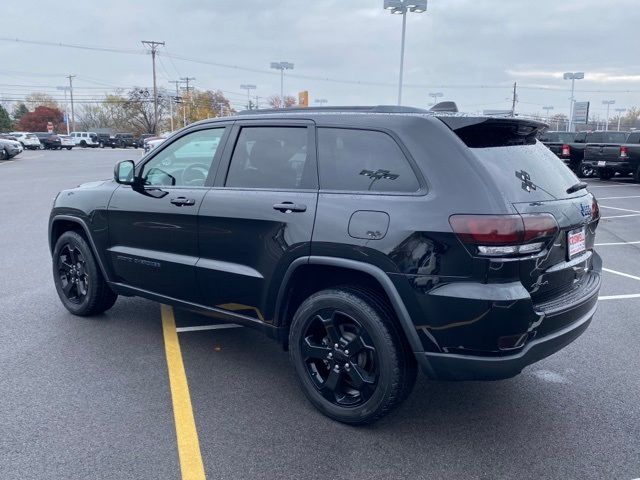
(72, 271)
(350, 355)
(4, 155)
(586, 171)
(79, 282)
(340, 358)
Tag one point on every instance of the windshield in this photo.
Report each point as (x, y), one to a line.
(528, 172)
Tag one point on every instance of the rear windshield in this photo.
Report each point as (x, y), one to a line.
(559, 137)
(606, 137)
(528, 172)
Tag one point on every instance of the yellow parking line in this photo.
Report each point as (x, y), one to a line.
(188, 444)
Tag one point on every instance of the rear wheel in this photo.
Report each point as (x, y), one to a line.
(585, 170)
(69, 148)
(605, 174)
(83, 144)
(79, 282)
(351, 359)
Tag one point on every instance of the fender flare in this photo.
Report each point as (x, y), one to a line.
(85, 228)
(378, 274)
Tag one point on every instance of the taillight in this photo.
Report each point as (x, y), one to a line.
(505, 235)
(595, 210)
(624, 152)
(566, 150)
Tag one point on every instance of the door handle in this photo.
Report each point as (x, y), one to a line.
(183, 201)
(288, 207)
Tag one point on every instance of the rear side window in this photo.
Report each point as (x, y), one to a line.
(272, 157)
(363, 160)
(606, 137)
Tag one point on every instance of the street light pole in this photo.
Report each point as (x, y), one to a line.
(435, 97)
(73, 116)
(66, 106)
(401, 7)
(573, 76)
(608, 103)
(546, 108)
(282, 66)
(248, 88)
(619, 110)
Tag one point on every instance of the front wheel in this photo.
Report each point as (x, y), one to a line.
(350, 356)
(69, 148)
(4, 155)
(77, 277)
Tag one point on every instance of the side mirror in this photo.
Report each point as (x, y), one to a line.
(124, 172)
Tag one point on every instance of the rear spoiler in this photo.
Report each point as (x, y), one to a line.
(484, 132)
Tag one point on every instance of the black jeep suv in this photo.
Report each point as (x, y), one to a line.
(368, 241)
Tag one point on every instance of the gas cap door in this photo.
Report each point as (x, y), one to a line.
(368, 224)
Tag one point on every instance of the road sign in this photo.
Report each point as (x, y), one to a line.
(49, 127)
(581, 112)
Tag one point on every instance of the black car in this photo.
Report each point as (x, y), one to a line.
(368, 241)
(614, 152)
(105, 140)
(124, 140)
(49, 141)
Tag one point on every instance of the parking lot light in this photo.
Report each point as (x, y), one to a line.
(608, 103)
(401, 7)
(282, 66)
(620, 112)
(435, 97)
(573, 76)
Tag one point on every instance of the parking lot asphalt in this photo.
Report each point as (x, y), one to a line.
(91, 398)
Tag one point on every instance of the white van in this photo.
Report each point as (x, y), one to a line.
(85, 139)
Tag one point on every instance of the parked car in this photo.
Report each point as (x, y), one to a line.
(570, 147)
(152, 142)
(611, 158)
(9, 148)
(12, 140)
(124, 140)
(49, 141)
(105, 140)
(28, 140)
(85, 139)
(142, 138)
(66, 142)
(343, 235)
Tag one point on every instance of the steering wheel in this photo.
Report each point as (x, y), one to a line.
(195, 174)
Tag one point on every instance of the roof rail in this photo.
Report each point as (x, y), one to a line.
(372, 109)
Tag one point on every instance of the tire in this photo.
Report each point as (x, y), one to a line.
(605, 174)
(83, 144)
(41, 147)
(4, 155)
(585, 171)
(636, 175)
(384, 361)
(69, 148)
(79, 282)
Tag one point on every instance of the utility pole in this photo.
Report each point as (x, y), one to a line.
(186, 80)
(178, 100)
(514, 99)
(73, 116)
(154, 47)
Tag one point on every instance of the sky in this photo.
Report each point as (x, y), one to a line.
(344, 51)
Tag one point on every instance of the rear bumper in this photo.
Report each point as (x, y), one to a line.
(444, 366)
(614, 166)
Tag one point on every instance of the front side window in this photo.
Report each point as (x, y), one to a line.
(186, 162)
(362, 160)
(272, 157)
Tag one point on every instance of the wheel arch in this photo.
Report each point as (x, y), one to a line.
(323, 272)
(65, 223)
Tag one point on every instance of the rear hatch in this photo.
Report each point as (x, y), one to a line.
(533, 180)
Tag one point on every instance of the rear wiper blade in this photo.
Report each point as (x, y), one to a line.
(576, 187)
